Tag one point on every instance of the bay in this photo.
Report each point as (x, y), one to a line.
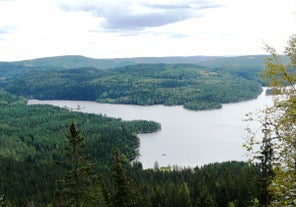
(187, 138)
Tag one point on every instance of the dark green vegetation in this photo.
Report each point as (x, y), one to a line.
(35, 153)
(33, 142)
(195, 87)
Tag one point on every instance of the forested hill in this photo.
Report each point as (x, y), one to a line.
(193, 86)
(76, 61)
(32, 138)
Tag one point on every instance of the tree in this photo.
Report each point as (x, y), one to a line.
(206, 199)
(183, 198)
(266, 158)
(156, 166)
(280, 138)
(77, 189)
(4, 202)
(126, 193)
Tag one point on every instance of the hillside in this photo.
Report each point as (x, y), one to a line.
(32, 138)
(81, 61)
(195, 87)
(75, 61)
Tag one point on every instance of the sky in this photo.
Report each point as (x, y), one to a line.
(143, 28)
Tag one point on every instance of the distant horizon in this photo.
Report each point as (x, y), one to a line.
(111, 58)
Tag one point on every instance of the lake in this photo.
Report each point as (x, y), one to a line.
(187, 138)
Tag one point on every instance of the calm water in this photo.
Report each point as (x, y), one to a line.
(187, 138)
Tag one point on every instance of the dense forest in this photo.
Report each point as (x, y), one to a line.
(195, 87)
(32, 137)
(33, 132)
(33, 141)
(35, 145)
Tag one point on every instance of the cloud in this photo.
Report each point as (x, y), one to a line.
(126, 21)
(138, 15)
(196, 5)
(6, 29)
(3, 31)
(167, 6)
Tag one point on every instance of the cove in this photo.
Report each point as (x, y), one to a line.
(187, 138)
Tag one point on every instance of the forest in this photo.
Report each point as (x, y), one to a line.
(193, 86)
(36, 145)
(33, 142)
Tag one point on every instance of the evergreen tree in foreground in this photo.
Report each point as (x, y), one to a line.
(266, 158)
(126, 194)
(77, 189)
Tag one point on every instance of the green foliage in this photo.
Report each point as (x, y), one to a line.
(278, 126)
(206, 200)
(125, 192)
(32, 137)
(121, 196)
(23, 182)
(202, 105)
(195, 87)
(11, 71)
(143, 126)
(183, 196)
(36, 132)
(211, 185)
(9, 99)
(32, 140)
(74, 189)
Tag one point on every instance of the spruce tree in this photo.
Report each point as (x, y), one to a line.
(183, 198)
(126, 194)
(206, 199)
(77, 188)
(266, 158)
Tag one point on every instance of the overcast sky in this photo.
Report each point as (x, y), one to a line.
(138, 28)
